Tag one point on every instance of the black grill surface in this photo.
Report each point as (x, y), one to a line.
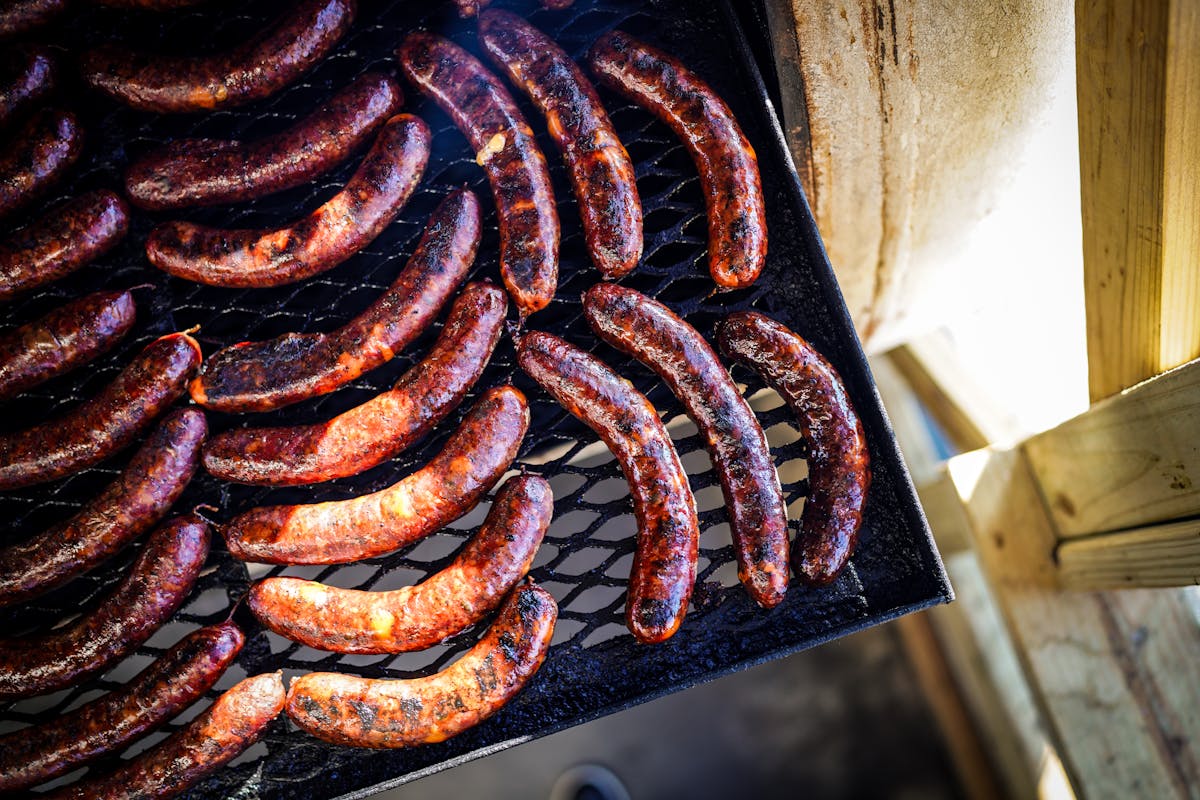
(595, 667)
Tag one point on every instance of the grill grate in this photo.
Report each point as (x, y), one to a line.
(595, 666)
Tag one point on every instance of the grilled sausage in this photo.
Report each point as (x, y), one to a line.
(20, 16)
(128, 507)
(469, 8)
(26, 76)
(105, 424)
(651, 333)
(173, 682)
(447, 487)
(346, 709)
(72, 235)
(737, 221)
(67, 337)
(382, 427)
(668, 540)
(251, 71)
(157, 584)
(209, 172)
(839, 471)
(345, 224)
(504, 146)
(233, 723)
(417, 617)
(600, 169)
(36, 156)
(260, 376)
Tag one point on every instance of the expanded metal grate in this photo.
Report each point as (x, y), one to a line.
(595, 667)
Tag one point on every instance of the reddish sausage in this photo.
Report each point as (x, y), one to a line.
(67, 337)
(36, 156)
(381, 428)
(600, 169)
(345, 224)
(346, 709)
(158, 582)
(651, 333)
(173, 682)
(839, 471)
(20, 16)
(668, 540)
(447, 487)
(737, 221)
(131, 505)
(417, 617)
(105, 424)
(26, 76)
(235, 721)
(469, 8)
(251, 71)
(260, 376)
(60, 242)
(504, 146)
(209, 172)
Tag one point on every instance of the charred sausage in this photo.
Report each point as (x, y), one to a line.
(737, 221)
(128, 507)
(36, 156)
(345, 224)
(173, 682)
(504, 146)
(67, 337)
(105, 424)
(346, 709)
(209, 172)
(600, 169)
(384, 426)
(668, 539)
(447, 487)
(251, 71)
(260, 376)
(26, 76)
(158, 582)
(653, 334)
(235, 721)
(417, 617)
(20, 16)
(839, 471)
(469, 8)
(60, 242)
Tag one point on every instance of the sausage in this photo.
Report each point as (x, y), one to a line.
(21, 16)
(651, 333)
(839, 469)
(361, 712)
(253, 70)
(737, 220)
(36, 156)
(557, 5)
(27, 74)
(226, 729)
(209, 172)
(74, 234)
(128, 507)
(345, 224)
(150, 5)
(668, 539)
(449, 486)
(384, 426)
(62, 340)
(417, 617)
(469, 8)
(260, 376)
(157, 584)
(162, 690)
(600, 170)
(105, 424)
(504, 146)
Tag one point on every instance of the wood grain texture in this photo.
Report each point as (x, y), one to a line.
(1156, 555)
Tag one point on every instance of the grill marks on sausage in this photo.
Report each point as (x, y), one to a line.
(839, 471)
(369, 434)
(346, 709)
(504, 146)
(728, 167)
(36, 156)
(27, 74)
(341, 227)
(652, 333)
(251, 71)
(664, 563)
